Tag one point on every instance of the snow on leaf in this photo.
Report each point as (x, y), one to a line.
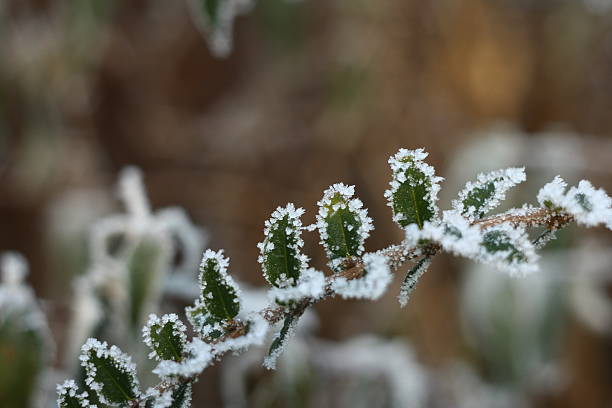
(414, 188)
(198, 356)
(343, 224)
(68, 396)
(165, 336)
(479, 197)
(110, 372)
(220, 294)
(203, 322)
(412, 278)
(589, 206)
(281, 260)
(310, 285)
(178, 396)
(508, 248)
(372, 285)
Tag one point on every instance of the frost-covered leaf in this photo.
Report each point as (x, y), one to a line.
(165, 336)
(178, 396)
(198, 356)
(204, 323)
(280, 340)
(310, 285)
(110, 372)
(68, 396)
(343, 224)
(280, 258)
(414, 188)
(509, 249)
(589, 206)
(220, 294)
(479, 197)
(411, 279)
(372, 285)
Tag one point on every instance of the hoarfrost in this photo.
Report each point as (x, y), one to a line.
(372, 285)
(199, 356)
(178, 330)
(411, 280)
(255, 336)
(69, 389)
(479, 197)
(310, 285)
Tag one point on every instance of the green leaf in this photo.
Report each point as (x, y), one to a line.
(414, 189)
(479, 197)
(411, 279)
(219, 292)
(110, 372)
(144, 269)
(211, 10)
(343, 224)
(280, 257)
(181, 396)
(166, 336)
(499, 241)
(70, 397)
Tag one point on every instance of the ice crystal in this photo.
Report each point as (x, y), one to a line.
(198, 357)
(414, 188)
(311, 284)
(479, 197)
(281, 259)
(68, 395)
(178, 396)
(589, 206)
(165, 336)
(343, 224)
(257, 328)
(372, 285)
(110, 372)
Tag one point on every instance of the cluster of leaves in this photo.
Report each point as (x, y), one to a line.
(221, 324)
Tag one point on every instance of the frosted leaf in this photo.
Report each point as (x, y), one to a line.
(203, 322)
(280, 341)
(310, 285)
(215, 19)
(479, 197)
(68, 396)
(110, 372)
(257, 328)
(198, 356)
(371, 286)
(343, 224)
(178, 396)
(454, 233)
(412, 278)
(589, 206)
(414, 188)
(281, 259)
(220, 294)
(509, 249)
(165, 336)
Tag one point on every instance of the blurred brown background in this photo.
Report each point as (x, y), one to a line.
(314, 92)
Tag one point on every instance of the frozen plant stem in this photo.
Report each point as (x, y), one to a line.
(222, 324)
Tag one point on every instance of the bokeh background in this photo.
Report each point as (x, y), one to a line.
(314, 92)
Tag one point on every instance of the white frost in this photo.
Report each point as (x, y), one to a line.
(178, 329)
(199, 357)
(372, 285)
(311, 284)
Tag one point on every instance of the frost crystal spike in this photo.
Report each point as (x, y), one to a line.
(481, 196)
(343, 224)
(414, 188)
(281, 259)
